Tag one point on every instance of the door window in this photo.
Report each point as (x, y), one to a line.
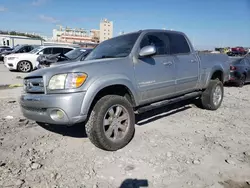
(47, 51)
(159, 40)
(23, 49)
(65, 50)
(178, 44)
(29, 48)
(57, 51)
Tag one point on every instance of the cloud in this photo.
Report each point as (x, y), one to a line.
(48, 19)
(38, 2)
(3, 9)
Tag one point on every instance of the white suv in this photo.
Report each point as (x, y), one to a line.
(26, 62)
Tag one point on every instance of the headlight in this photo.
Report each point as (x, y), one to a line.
(12, 58)
(67, 81)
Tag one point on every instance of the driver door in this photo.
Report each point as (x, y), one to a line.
(155, 75)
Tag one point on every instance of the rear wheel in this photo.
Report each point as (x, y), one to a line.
(111, 123)
(24, 66)
(212, 97)
(242, 81)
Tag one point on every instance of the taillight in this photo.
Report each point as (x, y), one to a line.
(232, 68)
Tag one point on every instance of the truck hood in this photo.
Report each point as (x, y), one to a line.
(71, 67)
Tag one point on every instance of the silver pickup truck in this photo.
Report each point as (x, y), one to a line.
(122, 76)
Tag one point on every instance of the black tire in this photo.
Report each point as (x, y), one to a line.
(207, 101)
(95, 124)
(21, 69)
(242, 81)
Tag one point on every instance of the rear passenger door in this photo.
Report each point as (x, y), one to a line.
(186, 62)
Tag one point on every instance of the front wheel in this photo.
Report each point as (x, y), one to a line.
(212, 97)
(24, 66)
(111, 124)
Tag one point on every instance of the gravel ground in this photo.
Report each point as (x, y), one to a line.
(7, 77)
(181, 146)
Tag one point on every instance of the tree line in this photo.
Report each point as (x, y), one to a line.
(14, 33)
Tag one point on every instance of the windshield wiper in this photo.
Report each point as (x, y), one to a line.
(106, 56)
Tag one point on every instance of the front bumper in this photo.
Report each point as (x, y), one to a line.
(10, 64)
(40, 107)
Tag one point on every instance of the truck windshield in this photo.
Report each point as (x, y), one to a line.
(120, 46)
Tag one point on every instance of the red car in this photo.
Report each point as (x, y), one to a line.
(237, 51)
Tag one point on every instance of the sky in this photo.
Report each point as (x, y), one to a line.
(208, 23)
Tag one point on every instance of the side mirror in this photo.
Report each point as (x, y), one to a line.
(40, 53)
(147, 51)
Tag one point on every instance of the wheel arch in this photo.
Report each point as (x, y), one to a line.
(17, 65)
(104, 86)
(217, 74)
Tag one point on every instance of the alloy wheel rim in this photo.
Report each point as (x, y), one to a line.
(116, 122)
(217, 95)
(24, 66)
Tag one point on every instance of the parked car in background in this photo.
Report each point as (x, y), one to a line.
(128, 74)
(5, 48)
(239, 70)
(77, 54)
(17, 49)
(26, 62)
(237, 51)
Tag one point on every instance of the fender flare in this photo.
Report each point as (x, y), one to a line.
(213, 70)
(102, 83)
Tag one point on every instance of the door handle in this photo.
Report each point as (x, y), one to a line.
(168, 63)
(193, 61)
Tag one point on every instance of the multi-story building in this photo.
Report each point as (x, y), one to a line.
(95, 35)
(82, 36)
(70, 35)
(106, 29)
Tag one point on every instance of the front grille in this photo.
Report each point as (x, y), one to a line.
(39, 110)
(34, 85)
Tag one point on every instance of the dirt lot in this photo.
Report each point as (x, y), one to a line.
(173, 147)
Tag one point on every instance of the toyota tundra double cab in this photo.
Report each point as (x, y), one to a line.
(122, 76)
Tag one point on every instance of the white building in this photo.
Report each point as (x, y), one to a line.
(106, 30)
(13, 40)
(62, 32)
